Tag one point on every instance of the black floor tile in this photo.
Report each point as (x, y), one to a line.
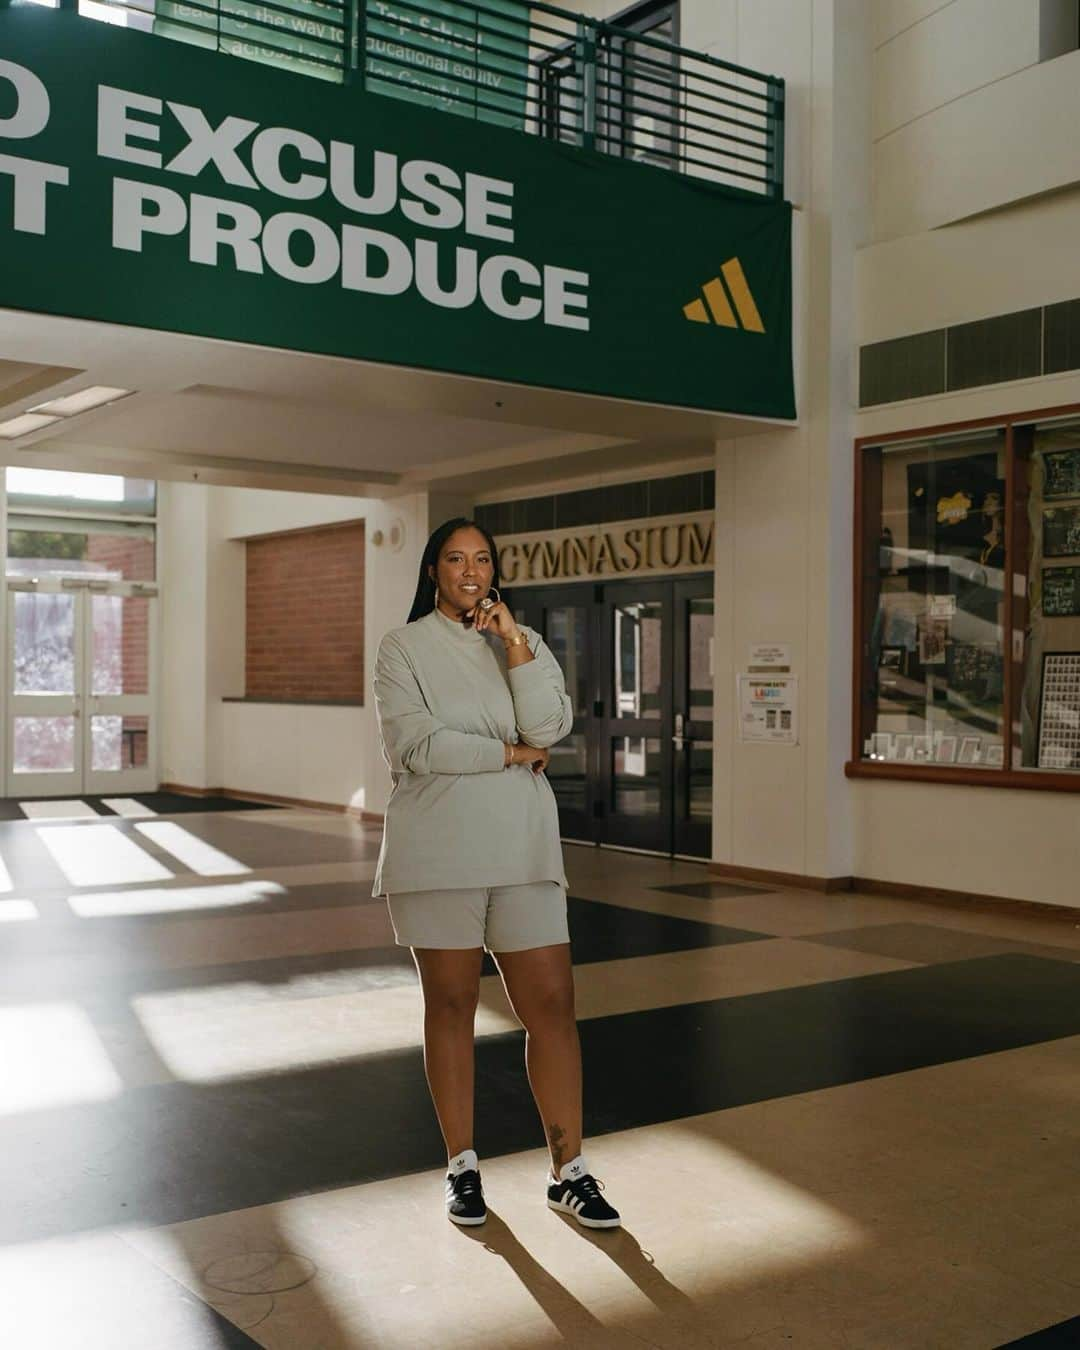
(176, 803)
(70, 958)
(163, 803)
(1064, 1336)
(162, 1154)
(712, 890)
(605, 932)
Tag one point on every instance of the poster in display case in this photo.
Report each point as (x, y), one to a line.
(1061, 531)
(1059, 711)
(955, 508)
(1061, 473)
(1061, 592)
(970, 749)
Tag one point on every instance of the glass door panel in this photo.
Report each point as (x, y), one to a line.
(636, 755)
(44, 745)
(638, 647)
(636, 770)
(44, 682)
(80, 689)
(566, 632)
(569, 776)
(120, 638)
(565, 618)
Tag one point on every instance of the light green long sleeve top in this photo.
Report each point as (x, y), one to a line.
(446, 704)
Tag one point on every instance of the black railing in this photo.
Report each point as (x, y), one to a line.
(520, 63)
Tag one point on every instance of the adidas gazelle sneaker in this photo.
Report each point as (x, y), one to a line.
(464, 1193)
(577, 1193)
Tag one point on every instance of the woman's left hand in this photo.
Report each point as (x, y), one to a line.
(497, 619)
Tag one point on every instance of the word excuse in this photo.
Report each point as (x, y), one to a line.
(414, 200)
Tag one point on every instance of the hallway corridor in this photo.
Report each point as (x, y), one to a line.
(828, 1121)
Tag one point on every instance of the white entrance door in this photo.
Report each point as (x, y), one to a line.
(81, 688)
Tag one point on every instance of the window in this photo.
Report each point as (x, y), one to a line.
(80, 525)
(305, 616)
(636, 87)
(968, 618)
(638, 109)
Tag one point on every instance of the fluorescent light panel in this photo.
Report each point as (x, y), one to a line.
(70, 405)
(24, 425)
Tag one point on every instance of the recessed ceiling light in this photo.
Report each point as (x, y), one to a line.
(73, 404)
(24, 425)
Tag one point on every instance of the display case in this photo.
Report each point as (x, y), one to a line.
(967, 643)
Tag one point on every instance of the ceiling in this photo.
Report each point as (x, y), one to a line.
(232, 413)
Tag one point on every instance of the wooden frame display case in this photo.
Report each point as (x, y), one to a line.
(961, 586)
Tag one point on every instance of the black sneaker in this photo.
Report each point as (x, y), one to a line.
(464, 1193)
(577, 1193)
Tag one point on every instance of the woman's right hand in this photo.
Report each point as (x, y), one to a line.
(530, 755)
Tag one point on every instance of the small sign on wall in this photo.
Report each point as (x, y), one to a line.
(770, 656)
(768, 709)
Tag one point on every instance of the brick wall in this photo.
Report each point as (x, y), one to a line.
(128, 557)
(305, 615)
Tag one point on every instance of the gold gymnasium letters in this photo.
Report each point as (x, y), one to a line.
(633, 549)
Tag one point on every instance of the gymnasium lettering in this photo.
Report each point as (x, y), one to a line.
(633, 548)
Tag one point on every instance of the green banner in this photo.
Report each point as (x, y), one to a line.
(156, 185)
(305, 36)
(450, 55)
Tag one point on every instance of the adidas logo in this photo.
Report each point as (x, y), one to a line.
(726, 296)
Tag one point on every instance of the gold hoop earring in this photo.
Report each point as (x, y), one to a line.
(436, 596)
(487, 602)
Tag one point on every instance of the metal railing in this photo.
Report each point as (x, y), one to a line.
(519, 63)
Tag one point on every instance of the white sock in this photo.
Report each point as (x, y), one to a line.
(463, 1162)
(573, 1170)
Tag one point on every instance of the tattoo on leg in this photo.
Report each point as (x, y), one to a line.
(556, 1135)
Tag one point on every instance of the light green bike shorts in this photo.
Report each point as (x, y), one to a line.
(500, 918)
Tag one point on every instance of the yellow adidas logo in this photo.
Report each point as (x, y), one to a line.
(726, 296)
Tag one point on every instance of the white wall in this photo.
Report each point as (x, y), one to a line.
(1017, 258)
(986, 841)
(183, 569)
(314, 753)
(1008, 140)
(948, 52)
(784, 497)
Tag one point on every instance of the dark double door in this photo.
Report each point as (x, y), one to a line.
(636, 771)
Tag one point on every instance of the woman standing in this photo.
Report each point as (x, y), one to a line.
(468, 704)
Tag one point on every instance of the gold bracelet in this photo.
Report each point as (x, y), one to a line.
(518, 640)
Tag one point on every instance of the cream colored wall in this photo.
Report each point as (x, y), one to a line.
(322, 754)
(947, 52)
(183, 554)
(784, 497)
(1020, 257)
(1006, 141)
(988, 841)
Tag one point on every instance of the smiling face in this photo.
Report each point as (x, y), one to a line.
(464, 572)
